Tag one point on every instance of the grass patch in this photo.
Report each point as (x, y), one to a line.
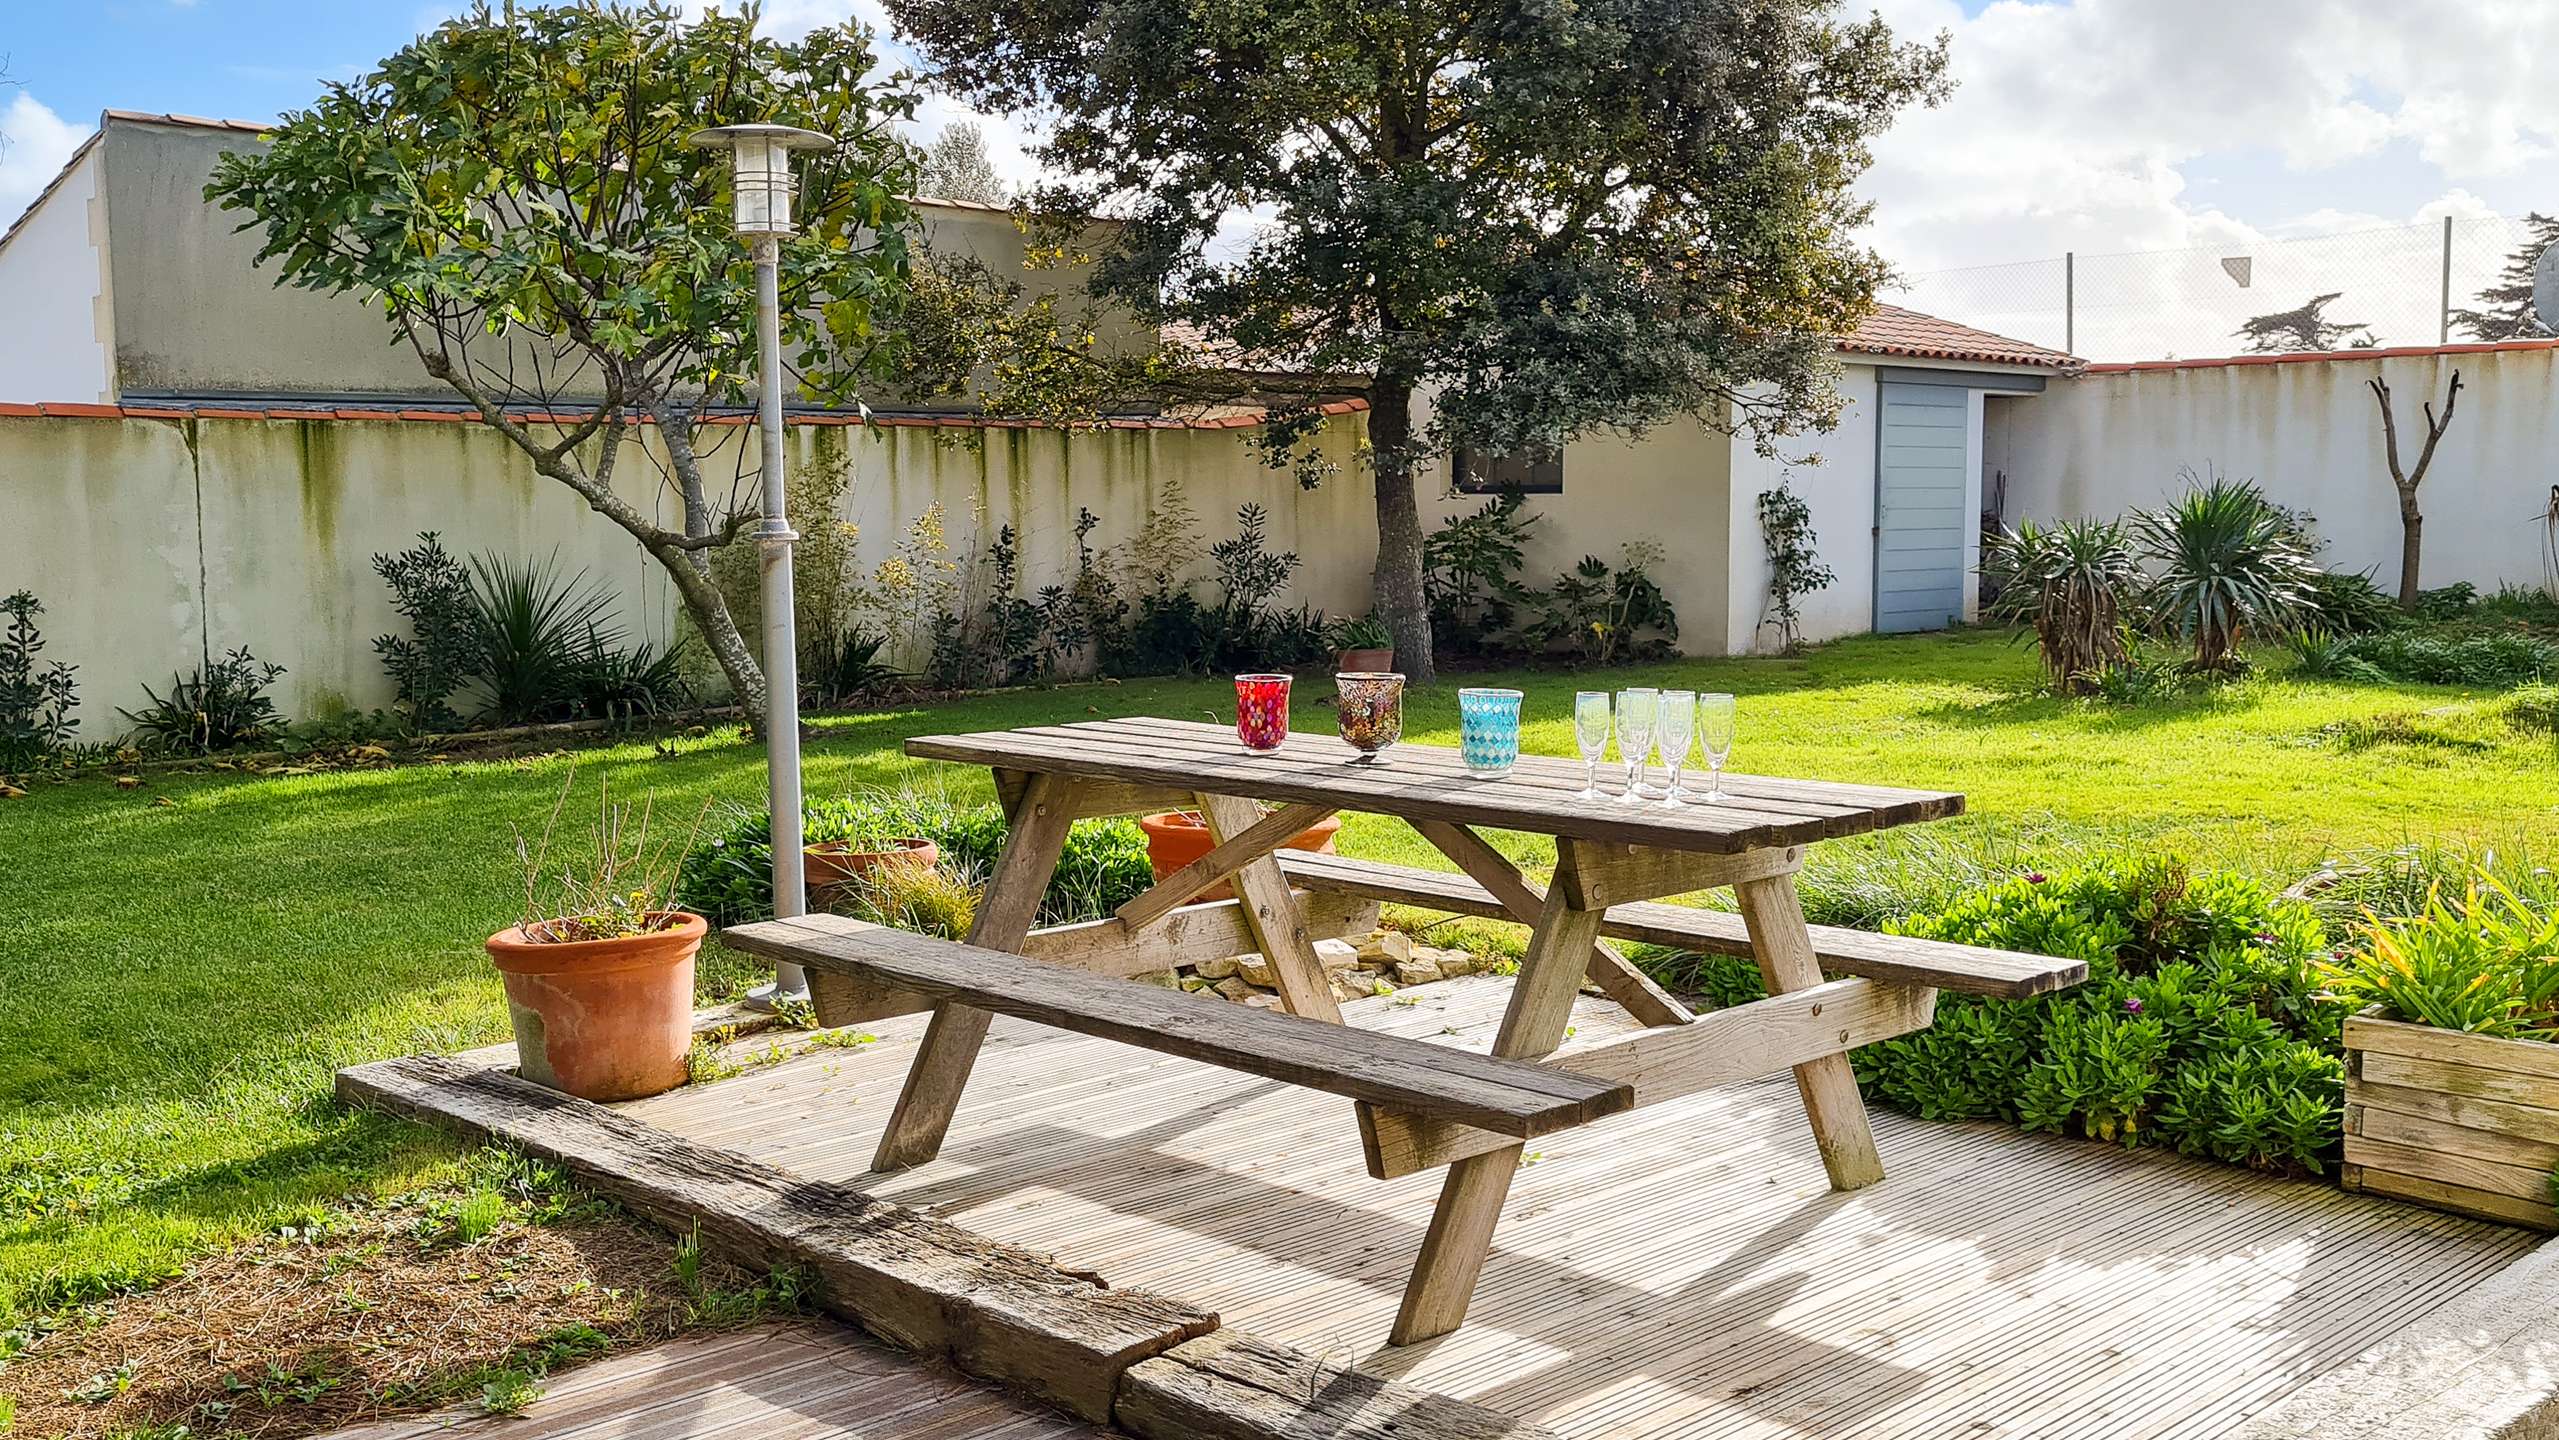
(188, 962)
(472, 1293)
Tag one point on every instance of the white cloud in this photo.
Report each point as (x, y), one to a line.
(38, 144)
(2220, 128)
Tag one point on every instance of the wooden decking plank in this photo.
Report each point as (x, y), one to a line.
(1514, 1098)
(1641, 1261)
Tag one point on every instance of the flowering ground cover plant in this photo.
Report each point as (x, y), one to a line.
(2204, 1023)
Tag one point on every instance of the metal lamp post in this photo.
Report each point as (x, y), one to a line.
(762, 157)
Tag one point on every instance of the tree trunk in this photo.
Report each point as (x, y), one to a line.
(2412, 529)
(720, 635)
(1398, 577)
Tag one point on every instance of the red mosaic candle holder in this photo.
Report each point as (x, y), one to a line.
(1261, 710)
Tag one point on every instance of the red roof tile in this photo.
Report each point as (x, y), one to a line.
(1891, 330)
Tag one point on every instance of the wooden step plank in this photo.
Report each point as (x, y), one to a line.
(995, 1311)
(2454, 1047)
(1512, 1097)
(1233, 1387)
(1937, 964)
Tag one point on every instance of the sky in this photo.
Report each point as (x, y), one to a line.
(2224, 127)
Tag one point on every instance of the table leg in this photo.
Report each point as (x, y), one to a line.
(1035, 838)
(1273, 916)
(1774, 914)
(1631, 988)
(1470, 1199)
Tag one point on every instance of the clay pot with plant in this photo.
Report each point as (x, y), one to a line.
(829, 865)
(1175, 838)
(599, 966)
(1363, 644)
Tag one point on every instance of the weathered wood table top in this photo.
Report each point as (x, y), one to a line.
(1421, 782)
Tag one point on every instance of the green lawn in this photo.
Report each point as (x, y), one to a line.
(184, 965)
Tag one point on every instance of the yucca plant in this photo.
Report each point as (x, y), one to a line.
(2226, 562)
(2072, 582)
(537, 627)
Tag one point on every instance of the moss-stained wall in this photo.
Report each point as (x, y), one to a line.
(154, 541)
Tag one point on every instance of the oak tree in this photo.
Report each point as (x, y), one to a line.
(1545, 220)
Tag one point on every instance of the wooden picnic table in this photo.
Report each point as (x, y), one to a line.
(1419, 1106)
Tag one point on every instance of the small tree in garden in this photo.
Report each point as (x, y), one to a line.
(1549, 219)
(517, 195)
(1794, 564)
(2072, 583)
(2307, 328)
(2412, 520)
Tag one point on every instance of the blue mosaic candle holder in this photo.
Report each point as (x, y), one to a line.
(1488, 731)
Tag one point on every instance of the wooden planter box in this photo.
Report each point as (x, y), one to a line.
(2458, 1122)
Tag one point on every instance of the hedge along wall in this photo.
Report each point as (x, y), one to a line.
(2305, 427)
(154, 538)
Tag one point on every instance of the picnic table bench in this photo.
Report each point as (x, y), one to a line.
(1419, 1106)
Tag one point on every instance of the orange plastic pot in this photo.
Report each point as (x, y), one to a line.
(831, 863)
(602, 1019)
(1175, 838)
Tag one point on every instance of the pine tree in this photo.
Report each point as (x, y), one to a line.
(2507, 311)
(2307, 328)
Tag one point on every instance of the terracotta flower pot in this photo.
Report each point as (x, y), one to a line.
(1381, 658)
(602, 1019)
(1175, 838)
(830, 863)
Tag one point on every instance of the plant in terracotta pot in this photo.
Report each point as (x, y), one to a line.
(829, 864)
(599, 967)
(1363, 644)
(1175, 838)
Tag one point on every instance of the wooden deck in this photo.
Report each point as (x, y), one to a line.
(1681, 1271)
(812, 1381)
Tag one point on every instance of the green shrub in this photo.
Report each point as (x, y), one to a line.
(2202, 1024)
(2492, 659)
(36, 697)
(222, 706)
(2346, 603)
(728, 874)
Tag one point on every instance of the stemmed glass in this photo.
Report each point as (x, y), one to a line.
(1635, 711)
(1673, 728)
(1715, 736)
(1590, 731)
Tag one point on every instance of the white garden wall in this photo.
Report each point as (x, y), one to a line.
(155, 541)
(2306, 429)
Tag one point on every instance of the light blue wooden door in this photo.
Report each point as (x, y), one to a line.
(1919, 507)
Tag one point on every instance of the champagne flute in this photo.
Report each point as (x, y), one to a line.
(1715, 722)
(1673, 728)
(1590, 731)
(1635, 711)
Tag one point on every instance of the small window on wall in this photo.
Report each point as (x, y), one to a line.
(1530, 472)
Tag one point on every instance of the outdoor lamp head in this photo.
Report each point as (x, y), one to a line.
(761, 155)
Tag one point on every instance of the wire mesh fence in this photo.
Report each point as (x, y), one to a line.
(2465, 279)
